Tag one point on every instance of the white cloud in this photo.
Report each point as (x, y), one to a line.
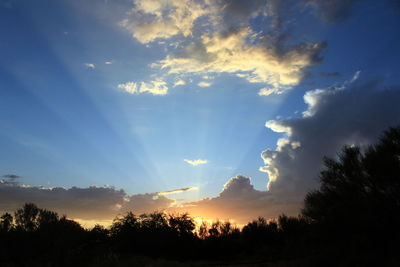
(204, 84)
(214, 37)
(179, 82)
(177, 191)
(195, 162)
(156, 87)
(108, 62)
(269, 91)
(257, 63)
(153, 19)
(89, 65)
(278, 127)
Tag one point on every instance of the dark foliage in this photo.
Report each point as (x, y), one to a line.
(351, 220)
(356, 211)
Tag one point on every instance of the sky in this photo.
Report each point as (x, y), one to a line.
(221, 108)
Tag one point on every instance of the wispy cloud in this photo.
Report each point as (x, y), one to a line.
(156, 87)
(177, 191)
(195, 162)
(108, 62)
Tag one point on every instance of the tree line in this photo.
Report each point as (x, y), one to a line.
(353, 219)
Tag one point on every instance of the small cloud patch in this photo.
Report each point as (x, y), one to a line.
(196, 161)
(177, 191)
(204, 84)
(90, 65)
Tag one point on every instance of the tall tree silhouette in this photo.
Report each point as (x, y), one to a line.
(6, 222)
(358, 202)
(27, 218)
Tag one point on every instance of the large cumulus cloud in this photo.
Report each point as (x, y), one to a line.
(354, 113)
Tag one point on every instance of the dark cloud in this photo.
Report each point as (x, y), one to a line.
(11, 177)
(84, 203)
(92, 203)
(353, 114)
(239, 201)
(142, 203)
(333, 11)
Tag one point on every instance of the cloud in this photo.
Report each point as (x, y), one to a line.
(11, 176)
(145, 203)
(280, 67)
(179, 82)
(177, 191)
(153, 19)
(156, 87)
(268, 91)
(204, 84)
(354, 113)
(90, 65)
(195, 162)
(108, 62)
(87, 204)
(240, 202)
(218, 37)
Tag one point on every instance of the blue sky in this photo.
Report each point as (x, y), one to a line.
(89, 93)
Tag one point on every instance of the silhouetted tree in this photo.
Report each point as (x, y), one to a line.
(203, 230)
(183, 224)
(6, 222)
(99, 233)
(27, 217)
(358, 202)
(46, 218)
(260, 231)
